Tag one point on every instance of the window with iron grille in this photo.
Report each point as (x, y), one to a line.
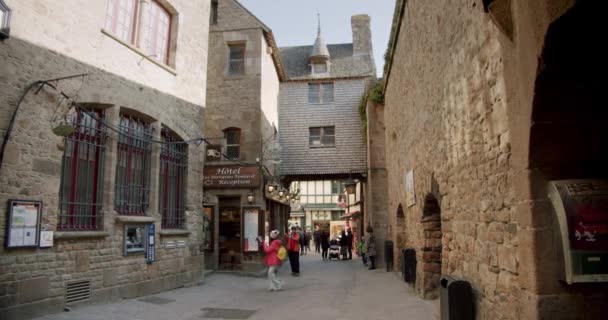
(81, 185)
(322, 136)
(236, 65)
(321, 92)
(233, 143)
(172, 184)
(132, 186)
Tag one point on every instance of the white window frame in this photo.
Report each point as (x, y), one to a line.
(322, 92)
(5, 22)
(321, 137)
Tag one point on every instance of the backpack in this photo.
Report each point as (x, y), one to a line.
(282, 253)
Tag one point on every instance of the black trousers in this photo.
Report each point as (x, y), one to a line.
(294, 261)
(364, 258)
(372, 260)
(324, 254)
(317, 246)
(350, 252)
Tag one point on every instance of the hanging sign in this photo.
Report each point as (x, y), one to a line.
(150, 248)
(23, 224)
(251, 229)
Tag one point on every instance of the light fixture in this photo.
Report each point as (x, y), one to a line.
(293, 200)
(251, 197)
(288, 196)
(349, 185)
(270, 187)
(281, 192)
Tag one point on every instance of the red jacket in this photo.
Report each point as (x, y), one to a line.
(271, 253)
(293, 241)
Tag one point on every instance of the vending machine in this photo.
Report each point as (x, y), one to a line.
(581, 207)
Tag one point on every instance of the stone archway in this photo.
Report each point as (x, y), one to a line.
(567, 141)
(431, 249)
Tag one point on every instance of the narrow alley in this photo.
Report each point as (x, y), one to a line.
(325, 290)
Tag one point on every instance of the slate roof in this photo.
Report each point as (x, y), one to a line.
(343, 64)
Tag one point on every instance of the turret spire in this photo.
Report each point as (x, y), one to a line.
(319, 49)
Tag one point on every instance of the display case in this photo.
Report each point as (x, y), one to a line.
(581, 207)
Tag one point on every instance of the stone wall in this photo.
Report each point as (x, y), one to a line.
(32, 281)
(459, 112)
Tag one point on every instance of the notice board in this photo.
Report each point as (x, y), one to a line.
(23, 223)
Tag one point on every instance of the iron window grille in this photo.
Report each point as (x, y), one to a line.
(132, 186)
(321, 92)
(81, 187)
(322, 136)
(233, 143)
(236, 65)
(172, 186)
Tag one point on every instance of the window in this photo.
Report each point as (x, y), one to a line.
(156, 32)
(132, 188)
(337, 186)
(172, 184)
(135, 239)
(236, 64)
(5, 20)
(319, 68)
(120, 19)
(233, 143)
(213, 15)
(320, 92)
(81, 188)
(322, 136)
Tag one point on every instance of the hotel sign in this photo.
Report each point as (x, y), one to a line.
(231, 176)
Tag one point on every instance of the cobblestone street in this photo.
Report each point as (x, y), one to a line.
(325, 290)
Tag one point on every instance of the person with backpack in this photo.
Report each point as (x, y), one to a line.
(293, 251)
(273, 260)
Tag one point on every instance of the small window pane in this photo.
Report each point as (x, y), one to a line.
(237, 60)
(328, 92)
(320, 68)
(313, 93)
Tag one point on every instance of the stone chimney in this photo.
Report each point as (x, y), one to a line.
(362, 35)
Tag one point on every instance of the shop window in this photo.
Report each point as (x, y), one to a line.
(236, 63)
(321, 92)
(233, 143)
(135, 239)
(172, 183)
(81, 186)
(322, 136)
(132, 186)
(337, 186)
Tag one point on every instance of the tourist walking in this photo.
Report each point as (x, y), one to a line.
(370, 247)
(343, 245)
(361, 249)
(293, 251)
(317, 239)
(349, 244)
(272, 261)
(302, 241)
(324, 239)
(307, 239)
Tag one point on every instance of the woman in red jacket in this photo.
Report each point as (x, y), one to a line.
(273, 262)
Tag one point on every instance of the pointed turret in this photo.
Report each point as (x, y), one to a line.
(319, 50)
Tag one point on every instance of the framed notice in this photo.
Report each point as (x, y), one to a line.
(251, 223)
(410, 195)
(23, 224)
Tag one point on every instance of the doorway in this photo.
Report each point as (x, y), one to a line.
(230, 233)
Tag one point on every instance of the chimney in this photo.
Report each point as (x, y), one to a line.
(362, 35)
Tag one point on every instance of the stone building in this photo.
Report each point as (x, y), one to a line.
(241, 121)
(321, 132)
(486, 102)
(98, 98)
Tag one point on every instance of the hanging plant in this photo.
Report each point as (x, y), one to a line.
(64, 129)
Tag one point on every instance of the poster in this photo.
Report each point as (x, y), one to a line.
(410, 195)
(23, 223)
(251, 229)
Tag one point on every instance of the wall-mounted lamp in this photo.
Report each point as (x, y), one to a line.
(270, 188)
(281, 192)
(251, 197)
(350, 185)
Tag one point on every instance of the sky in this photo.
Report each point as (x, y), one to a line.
(294, 22)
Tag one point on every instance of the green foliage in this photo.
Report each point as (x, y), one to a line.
(374, 94)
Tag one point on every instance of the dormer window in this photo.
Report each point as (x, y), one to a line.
(5, 20)
(319, 68)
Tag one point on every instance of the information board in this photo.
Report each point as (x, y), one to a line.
(251, 221)
(23, 224)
